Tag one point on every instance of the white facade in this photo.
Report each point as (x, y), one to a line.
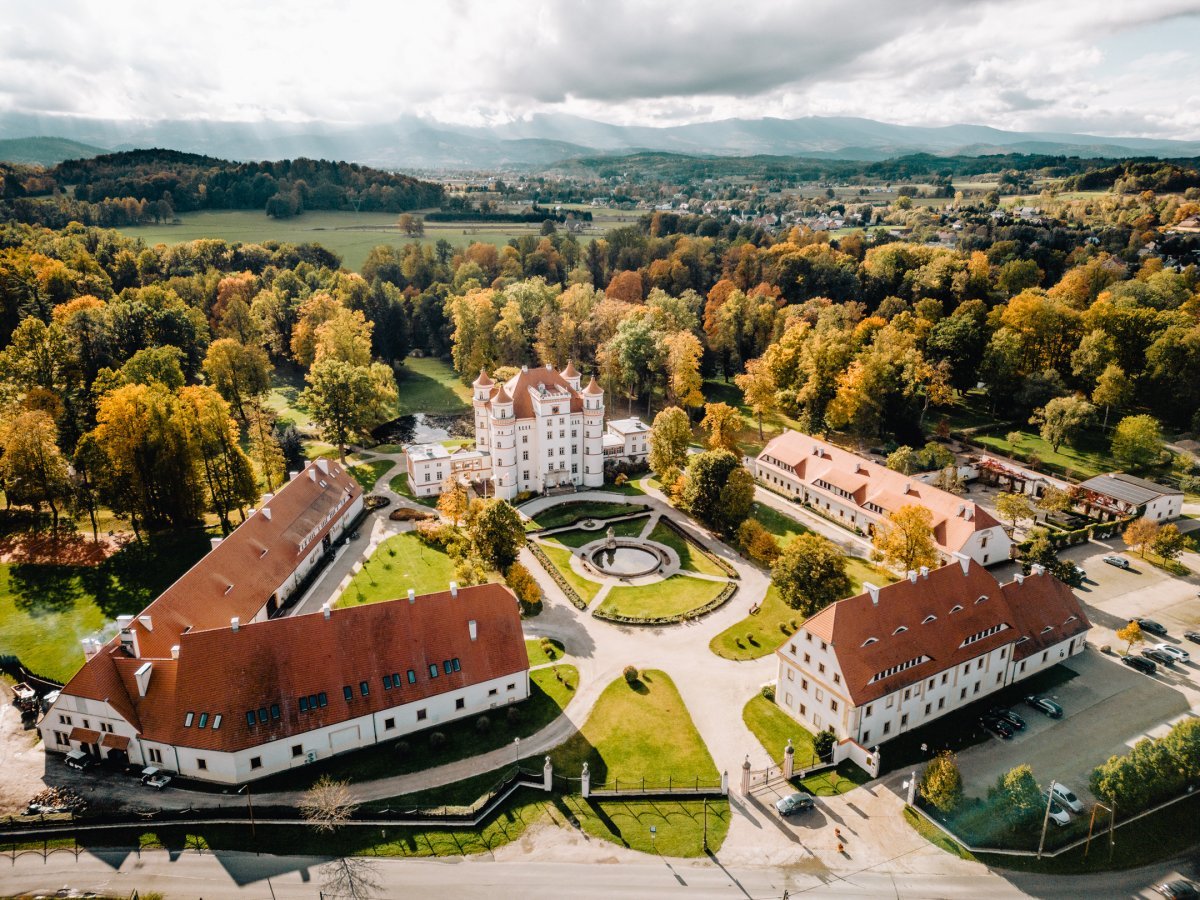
(627, 440)
(430, 465)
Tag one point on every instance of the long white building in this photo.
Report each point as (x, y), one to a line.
(893, 658)
(859, 494)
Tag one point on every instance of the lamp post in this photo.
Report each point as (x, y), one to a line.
(250, 808)
(1046, 817)
(653, 832)
(517, 746)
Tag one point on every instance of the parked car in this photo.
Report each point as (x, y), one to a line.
(996, 726)
(1159, 657)
(1045, 705)
(158, 781)
(1066, 797)
(1057, 811)
(794, 803)
(1006, 714)
(153, 773)
(1119, 561)
(1193, 636)
(1141, 664)
(77, 759)
(1151, 627)
(1180, 888)
(1176, 653)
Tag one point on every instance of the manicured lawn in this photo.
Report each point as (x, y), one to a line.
(763, 632)
(284, 398)
(691, 557)
(785, 528)
(388, 448)
(368, 473)
(548, 696)
(570, 513)
(679, 824)
(1090, 457)
(430, 385)
(46, 610)
(578, 537)
(561, 557)
(399, 563)
(538, 656)
(631, 488)
(638, 731)
(677, 594)
(773, 728)
(935, 835)
(399, 485)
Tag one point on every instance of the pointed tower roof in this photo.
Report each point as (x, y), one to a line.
(570, 371)
(483, 380)
(592, 387)
(501, 396)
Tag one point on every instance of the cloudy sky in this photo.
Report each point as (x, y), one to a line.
(1117, 67)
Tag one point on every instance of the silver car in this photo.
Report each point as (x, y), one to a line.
(1067, 798)
(1171, 650)
(1058, 813)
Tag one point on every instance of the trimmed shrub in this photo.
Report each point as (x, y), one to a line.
(437, 740)
(631, 674)
(768, 691)
(482, 724)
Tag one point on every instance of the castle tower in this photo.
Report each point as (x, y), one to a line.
(593, 434)
(483, 390)
(504, 445)
(571, 375)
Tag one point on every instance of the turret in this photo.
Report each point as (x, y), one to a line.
(482, 391)
(483, 386)
(593, 434)
(571, 375)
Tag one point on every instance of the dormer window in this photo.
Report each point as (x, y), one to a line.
(902, 628)
(981, 598)
(869, 641)
(957, 608)
(928, 619)
(1047, 628)
(1070, 619)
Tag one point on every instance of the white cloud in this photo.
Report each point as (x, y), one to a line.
(1027, 64)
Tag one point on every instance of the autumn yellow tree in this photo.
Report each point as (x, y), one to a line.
(722, 422)
(1131, 634)
(683, 369)
(1141, 534)
(34, 469)
(315, 311)
(453, 502)
(759, 390)
(905, 539)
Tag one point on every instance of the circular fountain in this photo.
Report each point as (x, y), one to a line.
(626, 557)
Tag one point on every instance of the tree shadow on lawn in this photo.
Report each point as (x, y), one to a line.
(44, 590)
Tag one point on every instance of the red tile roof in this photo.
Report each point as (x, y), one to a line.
(483, 380)
(592, 387)
(930, 618)
(570, 371)
(531, 381)
(84, 735)
(227, 673)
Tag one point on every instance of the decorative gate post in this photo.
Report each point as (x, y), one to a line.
(585, 781)
(548, 775)
(746, 776)
(789, 760)
(724, 783)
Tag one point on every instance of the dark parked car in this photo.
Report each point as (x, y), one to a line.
(794, 803)
(1151, 627)
(996, 726)
(1002, 712)
(77, 759)
(1159, 657)
(1141, 664)
(1045, 706)
(1193, 636)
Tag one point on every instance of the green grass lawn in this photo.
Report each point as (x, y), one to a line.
(632, 488)
(762, 633)
(46, 610)
(691, 557)
(548, 696)
(577, 537)
(399, 485)
(673, 596)
(430, 385)
(1090, 456)
(561, 557)
(773, 728)
(935, 835)
(570, 513)
(399, 563)
(284, 399)
(784, 527)
(537, 654)
(367, 473)
(679, 824)
(638, 731)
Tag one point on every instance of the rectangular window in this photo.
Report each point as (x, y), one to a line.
(322, 701)
(945, 676)
(525, 456)
(201, 764)
(187, 720)
(866, 736)
(807, 659)
(833, 705)
(297, 750)
(303, 704)
(412, 676)
(433, 670)
(803, 710)
(460, 703)
(364, 688)
(804, 684)
(977, 687)
(422, 715)
(512, 686)
(493, 692)
(447, 667)
(791, 675)
(155, 755)
(389, 724)
(262, 715)
(395, 679)
(820, 695)
(928, 708)
(256, 762)
(216, 721)
(821, 668)
(904, 720)
(456, 665)
(61, 738)
(867, 711)
(837, 678)
(962, 694)
(999, 675)
(312, 702)
(907, 693)
(348, 692)
(387, 682)
(941, 702)
(249, 717)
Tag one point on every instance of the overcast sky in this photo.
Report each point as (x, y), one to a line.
(1116, 67)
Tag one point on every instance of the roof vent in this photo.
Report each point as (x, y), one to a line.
(216, 542)
(235, 623)
(1037, 569)
(323, 465)
(267, 498)
(312, 474)
(964, 561)
(266, 511)
(294, 473)
(924, 571)
(473, 629)
(412, 596)
(1019, 578)
(147, 622)
(873, 590)
(912, 575)
(325, 609)
(123, 622)
(454, 589)
(174, 651)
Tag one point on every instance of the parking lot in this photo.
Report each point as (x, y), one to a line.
(1109, 706)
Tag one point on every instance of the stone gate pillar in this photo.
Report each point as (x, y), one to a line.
(548, 776)
(789, 760)
(585, 780)
(746, 776)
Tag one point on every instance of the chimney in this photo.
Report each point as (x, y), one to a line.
(970, 513)
(325, 609)
(549, 367)
(1019, 578)
(412, 596)
(235, 623)
(1037, 569)
(924, 571)
(174, 651)
(961, 511)
(454, 589)
(912, 576)
(873, 590)
(312, 473)
(524, 368)
(907, 486)
(91, 647)
(293, 474)
(266, 511)
(216, 542)
(323, 465)
(473, 629)
(142, 676)
(123, 622)
(964, 561)
(147, 623)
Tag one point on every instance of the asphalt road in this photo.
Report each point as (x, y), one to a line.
(244, 875)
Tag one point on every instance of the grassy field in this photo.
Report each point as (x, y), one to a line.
(672, 596)
(350, 235)
(577, 537)
(763, 632)
(561, 557)
(773, 728)
(284, 399)
(368, 473)
(430, 385)
(399, 563)
(538, 655)
(1090, 457)
(399, 485)
(45, 611)
(785, 528)
(691, 557)
(570, 513)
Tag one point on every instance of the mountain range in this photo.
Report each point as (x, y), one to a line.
(543, 140)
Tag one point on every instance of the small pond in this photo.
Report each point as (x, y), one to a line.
(626, 561)
(423, 428)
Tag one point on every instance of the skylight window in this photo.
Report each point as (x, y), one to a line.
(216, 721)
(187, 720)
(203, 723)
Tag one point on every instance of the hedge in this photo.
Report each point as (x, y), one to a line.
(540, 555)
(712, 557)
(722, 598)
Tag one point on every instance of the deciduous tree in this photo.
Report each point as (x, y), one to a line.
(759, 390)
(1062, 418)
(670, 435)
(1141, 533)
(1168, 543)
(34, 470)
(328, 804)
(810, 574)
(905, 539)
(722, 422)
(1016, 796)
(683, 369)
(941, 783)
(1137, 442)
(241, 374)
(1013, 507)
(346, 400)
(498, 533)
(1131, 634)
